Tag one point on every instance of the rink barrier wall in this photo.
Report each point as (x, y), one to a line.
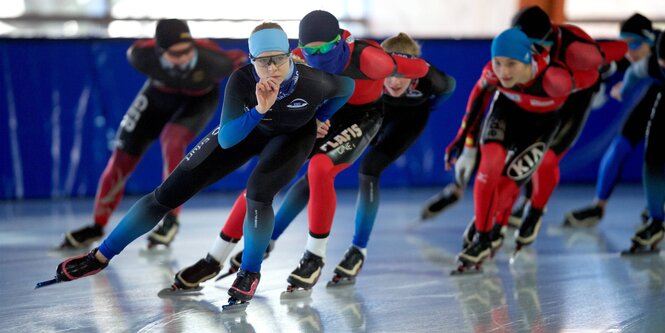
(62, 101)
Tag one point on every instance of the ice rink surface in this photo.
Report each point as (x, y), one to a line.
(569, 281)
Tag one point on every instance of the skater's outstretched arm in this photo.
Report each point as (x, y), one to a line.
(475, 110)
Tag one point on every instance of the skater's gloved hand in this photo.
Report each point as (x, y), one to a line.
(453, 151)
(464, 165)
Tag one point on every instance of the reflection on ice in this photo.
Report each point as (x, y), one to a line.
(567, 280)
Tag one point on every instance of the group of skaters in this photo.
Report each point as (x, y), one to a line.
(510, 158)
(326, 102)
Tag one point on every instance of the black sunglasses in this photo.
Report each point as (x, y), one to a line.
(278, 60)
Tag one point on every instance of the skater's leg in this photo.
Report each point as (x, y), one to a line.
(188, 122)
(322, 201)
(208, 164)
(545, 180)
(234, 223)
(367, 206)
(608, 173)
(508, 195)
(110, 190)
(294, 202)
(610, 167)
(486, 202)
(258, 226)
(140, 219)
(653, 170)
(209, 266)
(174, 140)
(485, 189)
(112, 184)
(397, 134)
(222, 246)
(528, 189)
(619, 150)
(278, 163)
(139, 128)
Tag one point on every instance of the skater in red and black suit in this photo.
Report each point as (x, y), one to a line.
(517, 131)
(588, 61)
(323, 45)
(175, 103)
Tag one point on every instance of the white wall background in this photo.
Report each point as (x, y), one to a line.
(236, 18)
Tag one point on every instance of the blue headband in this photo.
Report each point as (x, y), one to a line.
(636, 37)
(512, 43)
(268, 40)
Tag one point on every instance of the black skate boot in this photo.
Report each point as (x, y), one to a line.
(515, 219)
(347, 269)
(242, 290)
(497, 234)
(533, 219)
(472, 256)
(304, 277)
(469, 233)
(188, 280)
(438, 203)
(236, 261)
(165, 232)
(647, 238)
(82, 238)
(584, 217)
(76, 268)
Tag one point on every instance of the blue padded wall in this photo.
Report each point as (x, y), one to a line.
(62, 101)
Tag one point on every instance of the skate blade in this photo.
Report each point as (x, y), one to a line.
(638, 252)
(155, 251)
(234, 308)
(229, 273)
(470, 270)
(295, 294)
(580, 224)
(177, 292)
(413, 225)
(47, 283)
(518, 249)
(342, 282)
